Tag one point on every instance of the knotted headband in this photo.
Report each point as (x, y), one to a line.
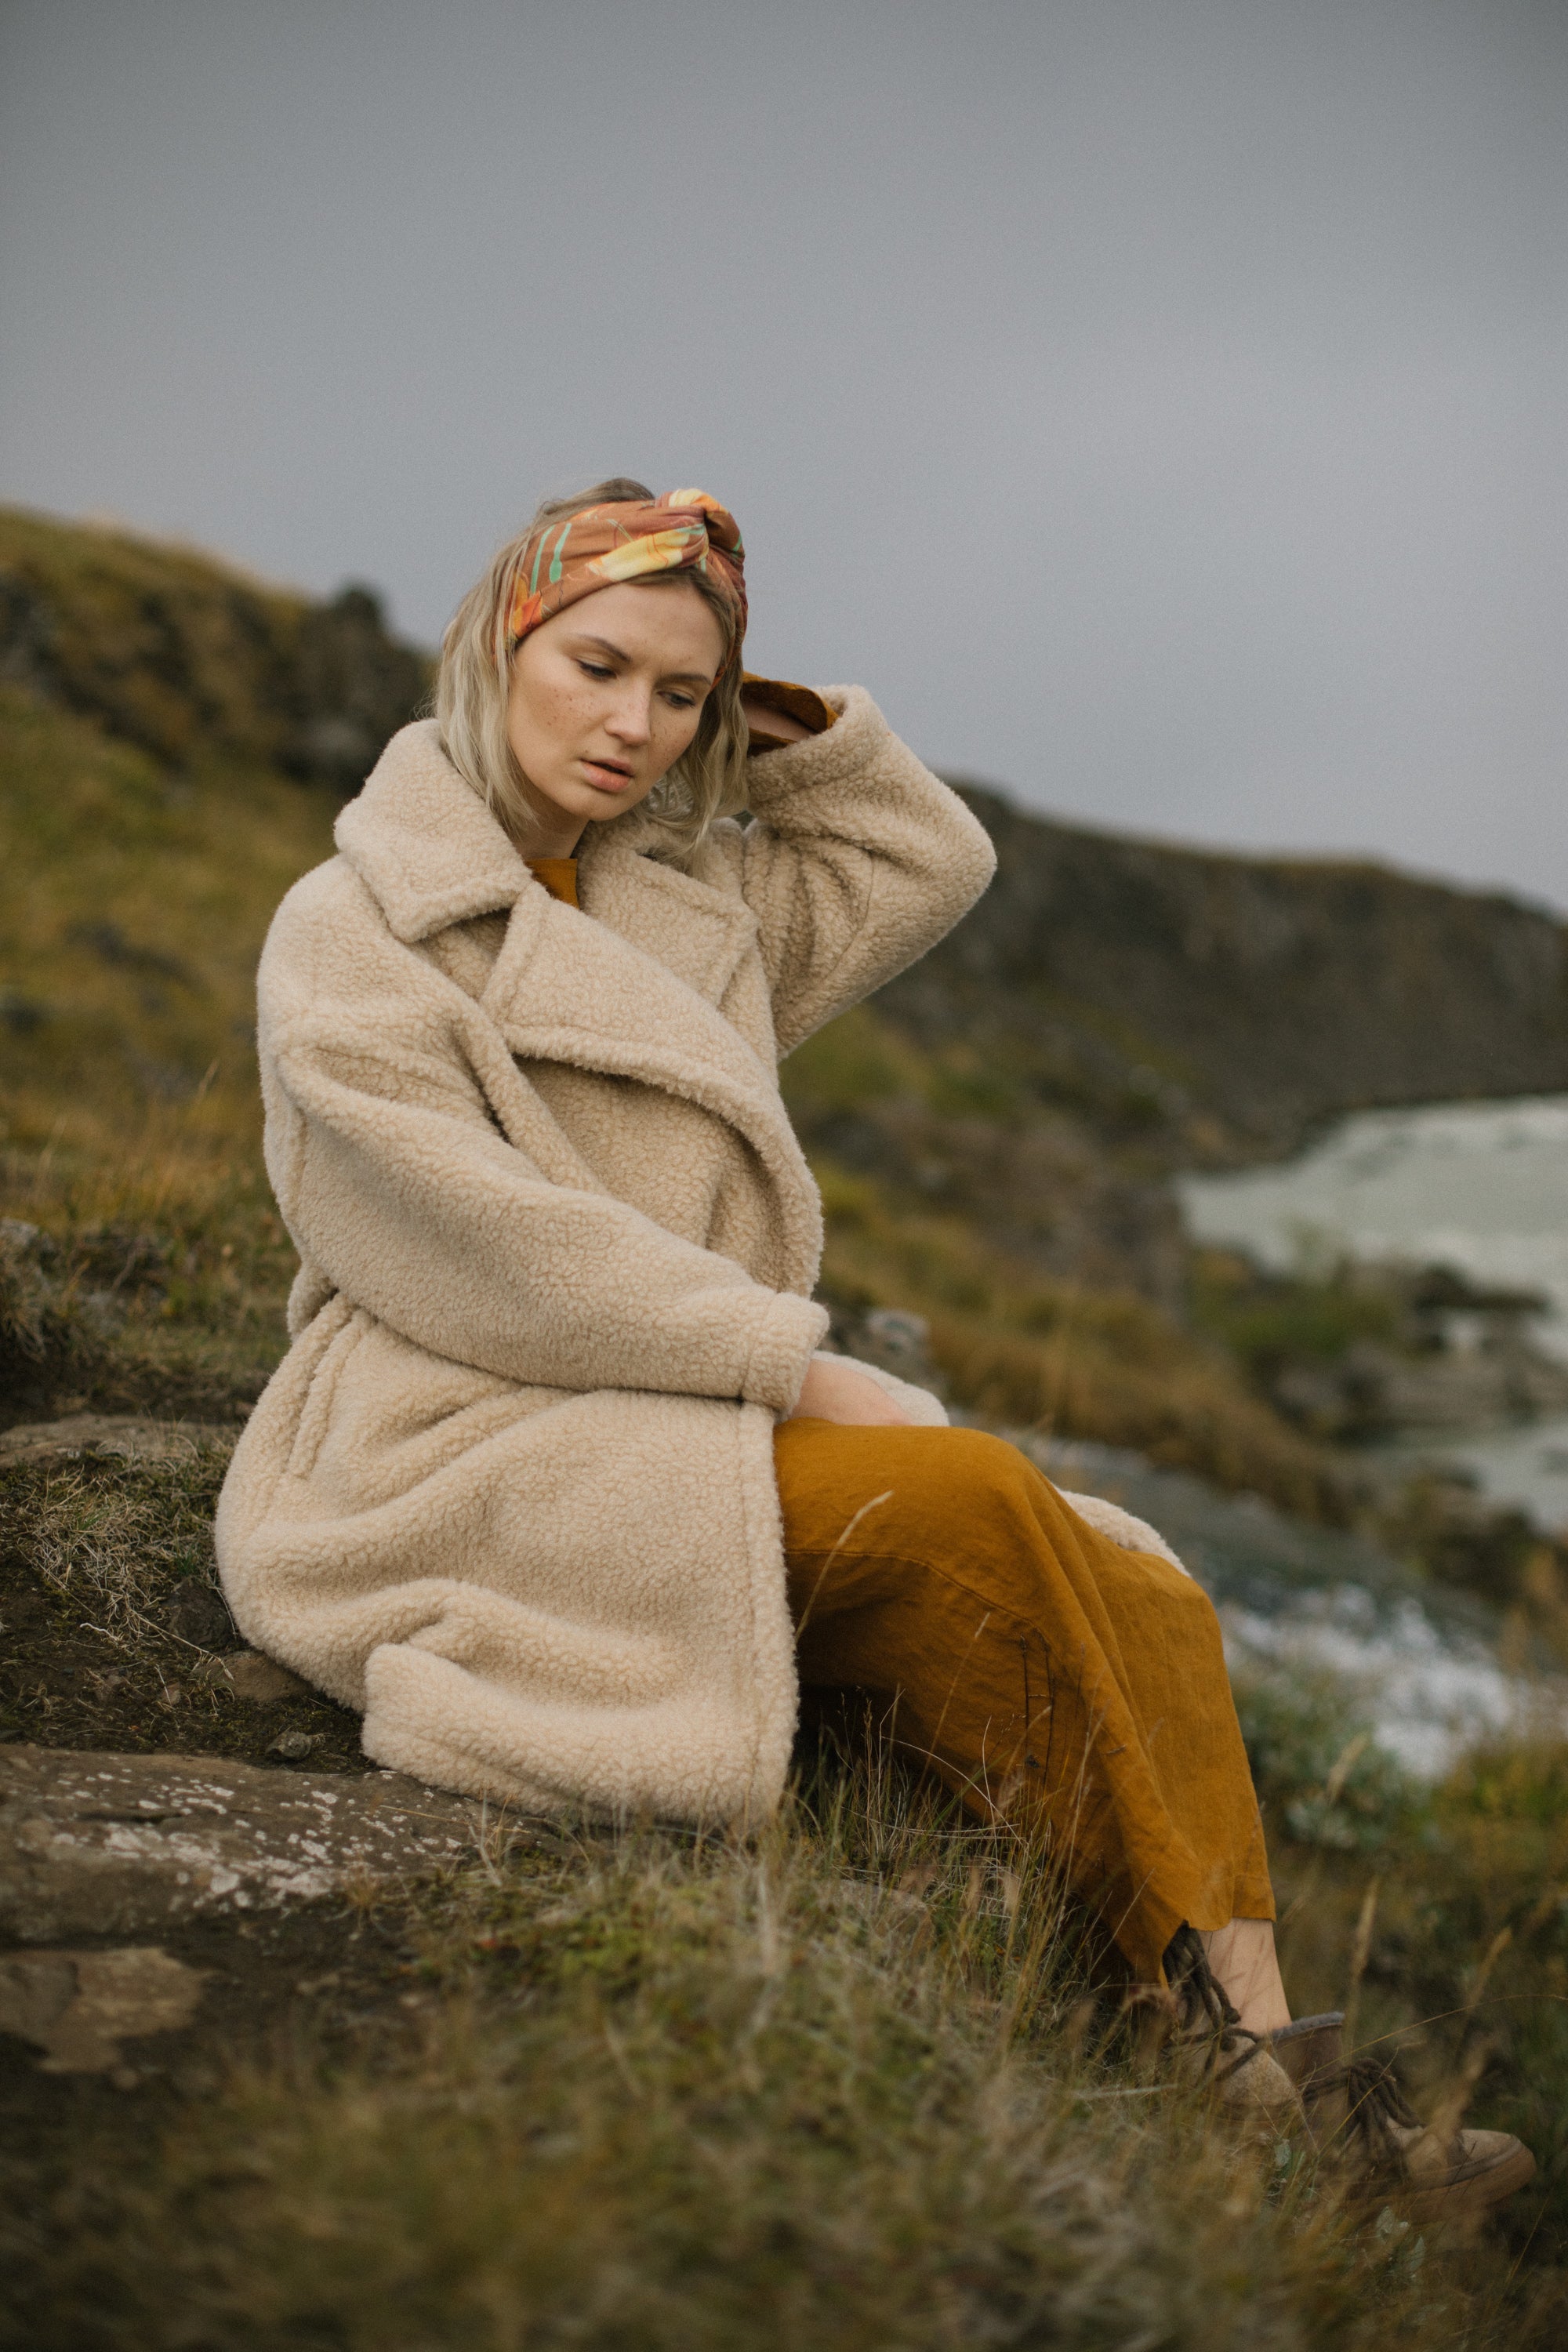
(685, 530)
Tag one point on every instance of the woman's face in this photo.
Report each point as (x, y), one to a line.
(605, 698)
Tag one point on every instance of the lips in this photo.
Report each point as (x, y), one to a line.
(608, 775)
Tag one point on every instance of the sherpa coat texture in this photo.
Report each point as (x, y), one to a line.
(511, 1492)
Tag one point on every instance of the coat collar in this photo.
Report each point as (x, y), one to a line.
(424, 844)
(431, 854)
(630, 985)
(582, 989)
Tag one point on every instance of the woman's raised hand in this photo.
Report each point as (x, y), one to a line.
(833, 1389)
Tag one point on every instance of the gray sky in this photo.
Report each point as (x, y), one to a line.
(1158, 404)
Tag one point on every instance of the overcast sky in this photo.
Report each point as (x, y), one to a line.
(1158, 404)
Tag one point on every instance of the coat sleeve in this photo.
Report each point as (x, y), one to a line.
(397, 1184)
(857, 861)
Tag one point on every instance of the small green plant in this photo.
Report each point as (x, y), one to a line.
(1317, 1764)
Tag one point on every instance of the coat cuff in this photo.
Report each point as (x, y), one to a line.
(788, 1336)
(840, 754)
(802, 703)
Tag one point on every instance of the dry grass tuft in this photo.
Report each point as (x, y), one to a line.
(115, 1548)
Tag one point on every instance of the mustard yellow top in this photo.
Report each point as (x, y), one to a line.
(559, 875)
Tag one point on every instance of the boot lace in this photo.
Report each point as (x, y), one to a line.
(1377, 2106)
(1208, 2012)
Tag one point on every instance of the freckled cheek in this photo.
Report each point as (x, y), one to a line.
(557, 710)
(673, 733)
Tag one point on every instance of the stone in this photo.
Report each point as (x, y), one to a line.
(78, 2007)
(132, 1437)
(296, 1745)
(105, 1845)
(897, 1337)
(197, 1612)
(247, 1675)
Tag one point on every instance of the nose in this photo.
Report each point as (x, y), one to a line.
(630, 720)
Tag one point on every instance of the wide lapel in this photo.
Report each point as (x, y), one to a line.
(629, 986)
(694, 930)
(424, 844)
(600, 991)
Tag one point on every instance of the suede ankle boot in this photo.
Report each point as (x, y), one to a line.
(1360, 2117)
(1214, 2051)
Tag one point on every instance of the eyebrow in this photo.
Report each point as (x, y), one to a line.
(686, 677)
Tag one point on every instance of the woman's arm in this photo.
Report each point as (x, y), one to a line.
(395, 1181)
(858, 860)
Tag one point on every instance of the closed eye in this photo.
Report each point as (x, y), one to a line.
(595, 669)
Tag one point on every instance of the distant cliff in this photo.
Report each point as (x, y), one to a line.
(1217, 1005)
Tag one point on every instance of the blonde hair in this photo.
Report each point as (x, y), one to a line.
(708, 781)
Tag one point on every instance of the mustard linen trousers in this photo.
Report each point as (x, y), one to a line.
(1047, 1677)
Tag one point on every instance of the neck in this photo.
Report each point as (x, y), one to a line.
(559, 840)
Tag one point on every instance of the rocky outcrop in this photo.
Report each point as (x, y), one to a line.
(131, 1845)
(78, 2007)
(1201, 1006)
(172, 651)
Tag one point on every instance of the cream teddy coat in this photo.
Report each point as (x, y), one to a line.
(512, 1491)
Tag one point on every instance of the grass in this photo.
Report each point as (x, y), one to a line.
(114, 1549)
(133, 909)
(172, 650)
(848, 2085)
(1268, 1321)
(110, 1605)
(861, 2081)
(156, 1280)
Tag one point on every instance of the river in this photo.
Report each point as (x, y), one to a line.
(1480, 1187)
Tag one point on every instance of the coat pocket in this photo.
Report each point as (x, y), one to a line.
(316, 1414)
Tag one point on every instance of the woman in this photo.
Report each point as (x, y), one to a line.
(554, 1483)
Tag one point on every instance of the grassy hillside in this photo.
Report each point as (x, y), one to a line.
(132, 906)
(853, 2084)
(169, 650)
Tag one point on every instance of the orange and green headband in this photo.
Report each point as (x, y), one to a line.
(685, 530)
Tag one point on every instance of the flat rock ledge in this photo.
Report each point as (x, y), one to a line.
(128, 1436)
(123, 1845)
